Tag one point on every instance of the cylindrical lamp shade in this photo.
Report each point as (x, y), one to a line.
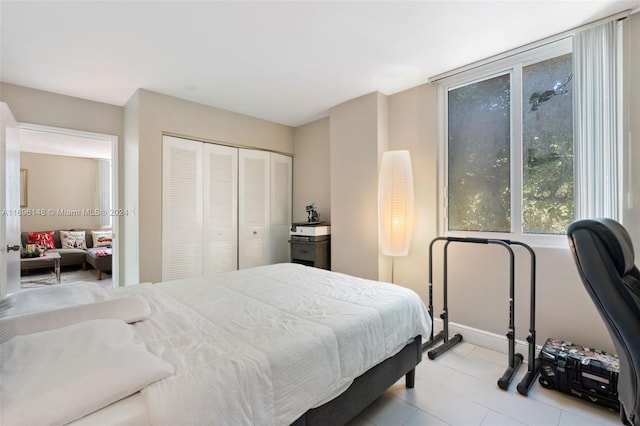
(395, 203)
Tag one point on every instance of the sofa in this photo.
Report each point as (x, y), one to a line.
(83, 249)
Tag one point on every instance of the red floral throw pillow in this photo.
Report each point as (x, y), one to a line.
(43, 239)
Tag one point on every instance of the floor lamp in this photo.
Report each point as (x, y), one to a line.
(395, 204)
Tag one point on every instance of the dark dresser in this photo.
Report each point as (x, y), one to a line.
(311, 245)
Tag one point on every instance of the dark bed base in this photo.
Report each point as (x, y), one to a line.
(366, 388)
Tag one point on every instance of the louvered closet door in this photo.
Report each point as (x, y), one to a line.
(181, 208)
(281, 177)
(253, 215)
(220, 236)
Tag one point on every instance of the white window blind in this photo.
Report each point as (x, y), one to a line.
(597, 148)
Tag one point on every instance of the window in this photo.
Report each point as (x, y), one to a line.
(547, 146)
(509, 146)
(479, 147)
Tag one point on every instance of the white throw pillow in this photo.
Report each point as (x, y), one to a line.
(61, 375)
(128, 309)
(101, 238)
(73, 239)
(49, 298)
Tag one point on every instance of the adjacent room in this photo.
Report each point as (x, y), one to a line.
(320, 213)
(70, 175)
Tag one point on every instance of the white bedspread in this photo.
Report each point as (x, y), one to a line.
(261, 346)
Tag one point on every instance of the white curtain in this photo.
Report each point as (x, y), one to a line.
(596, 145)
(104, 192)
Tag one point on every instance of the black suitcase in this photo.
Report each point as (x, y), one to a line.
(587, 373)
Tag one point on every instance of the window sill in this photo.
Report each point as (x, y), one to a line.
(532, 240)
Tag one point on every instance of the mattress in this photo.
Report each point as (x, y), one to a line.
(261, 346)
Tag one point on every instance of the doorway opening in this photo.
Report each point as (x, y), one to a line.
(71, 184)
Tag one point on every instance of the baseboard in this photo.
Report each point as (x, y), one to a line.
(486, 339)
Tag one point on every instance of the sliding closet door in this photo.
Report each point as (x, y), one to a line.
(281, 177)
(253, 214)
(220, 236)
(181, 208)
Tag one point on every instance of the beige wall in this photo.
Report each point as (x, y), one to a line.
(60, 183)
(311, 171)
(413, 126)
(50, 109)
(355, 148)
(160, 113)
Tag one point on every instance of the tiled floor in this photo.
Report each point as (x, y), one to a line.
(459, 388)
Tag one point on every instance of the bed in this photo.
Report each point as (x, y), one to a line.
(274, 345)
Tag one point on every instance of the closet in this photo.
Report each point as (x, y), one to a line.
(223, 208)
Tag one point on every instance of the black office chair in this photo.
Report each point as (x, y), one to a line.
(604, 255)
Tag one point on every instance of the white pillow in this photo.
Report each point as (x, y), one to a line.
(73, 239)
(57, 376)
(49, 298)
(128, 309)
(101, 238)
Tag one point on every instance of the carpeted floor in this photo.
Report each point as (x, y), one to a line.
(46, 277)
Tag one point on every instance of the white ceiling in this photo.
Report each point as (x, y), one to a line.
(287, 62)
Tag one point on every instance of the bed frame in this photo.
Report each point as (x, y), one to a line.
(367, 388)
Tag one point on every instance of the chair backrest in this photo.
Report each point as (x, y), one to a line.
(603, 253)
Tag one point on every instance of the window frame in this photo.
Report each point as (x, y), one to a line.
(511, 65)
